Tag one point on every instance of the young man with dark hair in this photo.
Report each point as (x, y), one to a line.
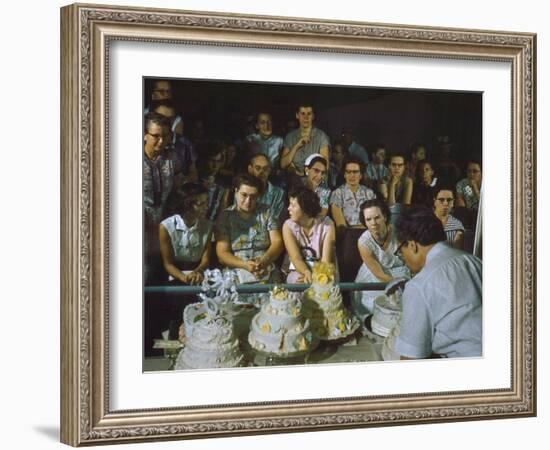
(303, 141)
(442, 313)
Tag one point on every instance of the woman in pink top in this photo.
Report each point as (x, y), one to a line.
(308, 236)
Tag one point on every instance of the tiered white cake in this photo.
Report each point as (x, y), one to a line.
(330, 320)
(210, 340)
(212, 344)
(280, 327)
(387, 311)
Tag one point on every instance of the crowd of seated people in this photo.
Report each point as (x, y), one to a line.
(270, 206)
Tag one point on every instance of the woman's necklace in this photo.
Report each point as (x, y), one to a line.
(385, 240)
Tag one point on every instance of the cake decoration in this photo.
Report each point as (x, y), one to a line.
(323, 305)
(280, 328)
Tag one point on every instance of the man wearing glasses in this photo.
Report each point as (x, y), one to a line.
(158, 180)
(442, 303)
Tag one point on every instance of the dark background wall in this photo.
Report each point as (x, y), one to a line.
(396, 117)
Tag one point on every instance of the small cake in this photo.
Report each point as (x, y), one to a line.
(211, 344)
(280, 327)
(388, 346)
(330, 320)
(385, 316)
(210, 339)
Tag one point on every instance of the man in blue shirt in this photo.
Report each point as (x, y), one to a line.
(442, 309)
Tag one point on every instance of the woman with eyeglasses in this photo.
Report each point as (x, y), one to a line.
(315, 167)
(185, 238)
(308, 236)
(443, 205)
(344, 204)
(379, 249)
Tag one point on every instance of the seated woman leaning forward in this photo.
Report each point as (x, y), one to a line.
(377, 247)
(185, 238)
(308, 236)
(247, 234)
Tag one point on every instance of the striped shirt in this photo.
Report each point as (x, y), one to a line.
(452, 228)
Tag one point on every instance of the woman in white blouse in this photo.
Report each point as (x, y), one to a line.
(185, 238)
(377, 246)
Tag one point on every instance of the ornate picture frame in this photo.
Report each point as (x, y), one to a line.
(87, 32)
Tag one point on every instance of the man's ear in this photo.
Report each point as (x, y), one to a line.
(415, 247)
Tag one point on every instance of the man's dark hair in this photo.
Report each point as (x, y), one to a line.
(374, 148)
(305, 103)
(253, 156)
(157, 119)
(350, 159)
(397, 155)
(307, 199)
(249, 180)
(167, 103)
(419, 224)
(372, 203)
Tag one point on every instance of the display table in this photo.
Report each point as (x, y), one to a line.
(361, 349)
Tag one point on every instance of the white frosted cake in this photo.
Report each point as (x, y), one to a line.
(385, 315)
(280, 327)
(330, 320)
(388, 346)
(211, 344)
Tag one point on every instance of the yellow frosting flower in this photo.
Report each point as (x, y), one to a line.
(302, 344)
(266, 328)
(342, 326)
(322, 279)
(279, 293)
(339, 314)
(324, 295)
(323, 272)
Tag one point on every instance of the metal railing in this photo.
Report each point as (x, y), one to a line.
(260, 288)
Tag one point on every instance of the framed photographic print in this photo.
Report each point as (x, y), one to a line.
(202, 95)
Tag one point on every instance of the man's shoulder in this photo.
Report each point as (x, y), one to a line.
(445, 259)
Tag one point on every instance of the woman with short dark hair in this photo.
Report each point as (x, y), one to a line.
(185, 238)
(377, 247)
(308, 236)
(443, 199)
